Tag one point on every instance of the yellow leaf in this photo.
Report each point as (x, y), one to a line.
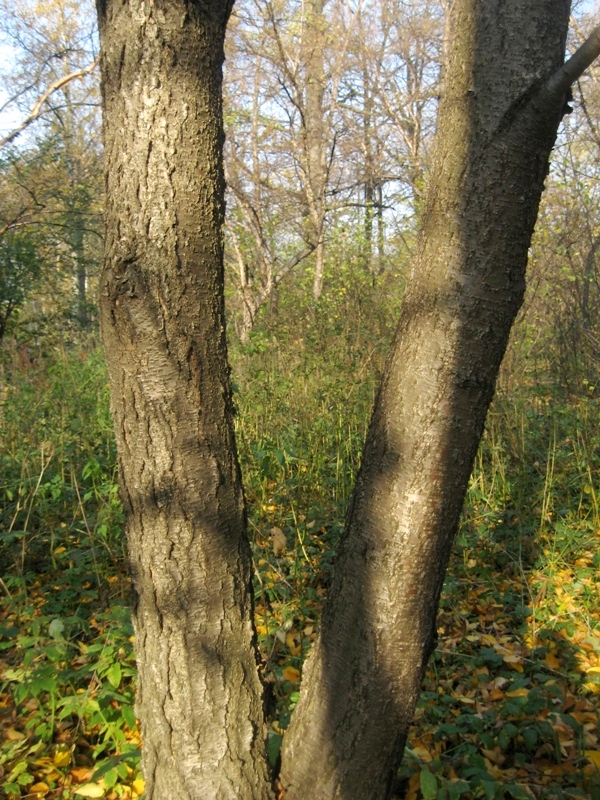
(81, 774)
(90, 790)
(514, 662)
(552, 661)
(39, 788)
(62, 758)
(421, 752)
(566, 768)
(495, 756)
(139, 786)
(510, 658)
(522, 692)
(593, 670)
(464, 699)
(593, 756)
(292, 642)
(291, 674)
(13, 735)
(414, 786)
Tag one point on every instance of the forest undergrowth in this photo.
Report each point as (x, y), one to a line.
(511, 698)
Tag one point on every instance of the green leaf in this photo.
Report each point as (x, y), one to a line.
(530, 737)
(13, 675)
(129, 716)
(18, 769)
(24, 779)
(429, 786)
(111, 776)
(519, 792)
(44, 683)
(273, 747)
(489, 787)
(114, 675)
(457, 788)
(56, 628)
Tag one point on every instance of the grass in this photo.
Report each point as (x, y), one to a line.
(511, 697)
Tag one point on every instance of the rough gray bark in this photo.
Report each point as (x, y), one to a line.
(502, 101)
(161, 300)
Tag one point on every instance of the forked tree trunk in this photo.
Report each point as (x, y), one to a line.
(161, 298)
(498, 118)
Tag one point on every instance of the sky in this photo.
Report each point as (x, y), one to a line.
(10, 118)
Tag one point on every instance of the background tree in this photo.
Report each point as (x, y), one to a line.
(341, 166)
(25, 191)
(264, 227)
(51, 81)
(19, 271)
(559, 320)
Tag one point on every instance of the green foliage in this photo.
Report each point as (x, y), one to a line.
(57, 460)
(19, 273)
(510, 701)
(65, 635)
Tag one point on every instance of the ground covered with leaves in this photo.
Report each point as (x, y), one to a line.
(511, 698)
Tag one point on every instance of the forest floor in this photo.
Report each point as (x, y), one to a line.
(511, 699)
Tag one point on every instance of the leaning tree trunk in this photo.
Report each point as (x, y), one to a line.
(502, 101)
(161, 299)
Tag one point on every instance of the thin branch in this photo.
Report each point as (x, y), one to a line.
(586, 114)
(293, 262)
(39, 106)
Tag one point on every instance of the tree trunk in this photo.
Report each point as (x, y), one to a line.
(319, 270)
(315, 142)
(81, 271)
(498, 118)
(161, 300)
(380, 230)
(369, 165)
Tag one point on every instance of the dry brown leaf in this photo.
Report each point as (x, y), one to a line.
(279, 541)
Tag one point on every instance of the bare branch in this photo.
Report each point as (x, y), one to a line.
(43, 99)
